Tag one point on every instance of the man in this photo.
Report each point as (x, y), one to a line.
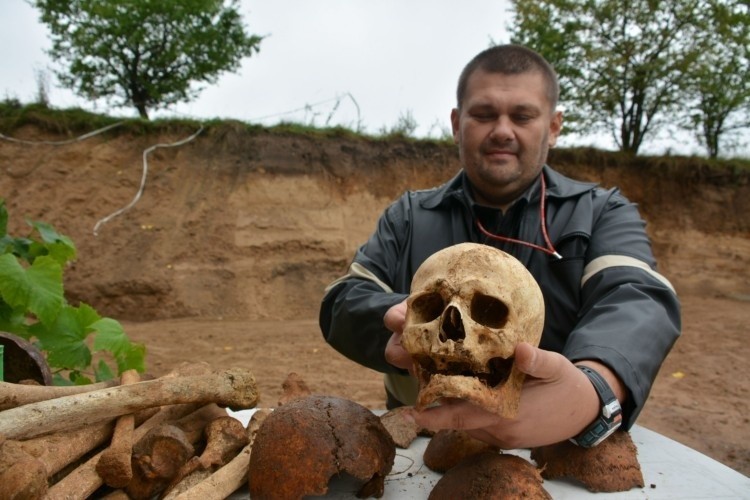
(610, 317)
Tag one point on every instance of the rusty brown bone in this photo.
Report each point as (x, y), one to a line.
(227, 479)
(234, 388)
(225, 437)
(160, 454)
(84, 480)
(114, 466)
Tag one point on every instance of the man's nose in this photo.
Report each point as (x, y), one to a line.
(502, 129)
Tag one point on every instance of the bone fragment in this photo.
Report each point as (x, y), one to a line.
(234, 388)
(157, 458)
(84, 480)
(21, 474)
(164, 450)
(225, 481)
(225, 437)
(293, 387)
(13, 395)
(114, 465)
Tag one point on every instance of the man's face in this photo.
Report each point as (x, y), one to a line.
(504, 130)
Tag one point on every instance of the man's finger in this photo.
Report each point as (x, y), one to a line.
(454, 414)
(539, 363)
(395, 317)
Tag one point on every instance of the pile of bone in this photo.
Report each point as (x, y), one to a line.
(168, 437)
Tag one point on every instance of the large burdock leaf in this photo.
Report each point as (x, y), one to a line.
(38, 287)
(65, 340)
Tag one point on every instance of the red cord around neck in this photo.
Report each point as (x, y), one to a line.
(549, 249)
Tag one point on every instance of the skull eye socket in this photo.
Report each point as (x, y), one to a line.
(427, 307)
(488, 311)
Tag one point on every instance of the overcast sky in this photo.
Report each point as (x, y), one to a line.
(322, 57)
(336, 62)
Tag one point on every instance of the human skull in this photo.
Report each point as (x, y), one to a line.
(470, 305)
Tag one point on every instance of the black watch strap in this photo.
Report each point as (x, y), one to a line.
(610, 417)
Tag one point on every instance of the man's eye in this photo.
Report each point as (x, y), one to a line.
(484, 117)
(522, 118)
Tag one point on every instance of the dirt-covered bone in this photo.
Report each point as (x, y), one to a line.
(470, 305)
(114, 466)
(609, 467)
(293, 387)
(228, 478)
(21, 474)
(84, 480)
(491, 475)
(234, 388)
(225, 437)
(323, 436)
(159, 455)
(448, 447)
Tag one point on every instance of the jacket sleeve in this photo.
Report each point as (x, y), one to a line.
(630, 314)
(351, 313)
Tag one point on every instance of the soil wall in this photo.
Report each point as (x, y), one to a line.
(253, 225)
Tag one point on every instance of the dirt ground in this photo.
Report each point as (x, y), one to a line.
(225, 256)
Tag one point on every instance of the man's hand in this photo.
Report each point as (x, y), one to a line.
(557, 402)
(394, 320)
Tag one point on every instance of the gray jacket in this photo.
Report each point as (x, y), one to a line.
(604, 300)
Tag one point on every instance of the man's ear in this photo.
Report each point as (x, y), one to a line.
(555, 127)
(454, 124)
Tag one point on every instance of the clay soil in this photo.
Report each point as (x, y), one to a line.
(225, 255)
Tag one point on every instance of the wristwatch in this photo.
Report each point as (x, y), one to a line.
(611, 415)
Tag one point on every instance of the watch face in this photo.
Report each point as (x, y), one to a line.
(597, 432)
(607, 433)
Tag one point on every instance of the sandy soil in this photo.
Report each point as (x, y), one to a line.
(225, 256)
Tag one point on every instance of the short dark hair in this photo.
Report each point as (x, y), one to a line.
(510, 60)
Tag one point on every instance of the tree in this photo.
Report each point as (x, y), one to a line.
(717, 87)
(145, 53)
(619, 62)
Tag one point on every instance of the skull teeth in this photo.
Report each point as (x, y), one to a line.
(496, 373)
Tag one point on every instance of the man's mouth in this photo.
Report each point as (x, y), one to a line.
(499, 153)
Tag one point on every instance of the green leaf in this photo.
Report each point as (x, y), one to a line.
(103, 371)
(38, 288)
(109, 336)
(13, 320)
(65, 340)
(133, 359)
(78, 378)
(58, 246)
(58, 379)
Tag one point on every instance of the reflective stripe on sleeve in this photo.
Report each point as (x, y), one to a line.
(607, 261)
(357, 270)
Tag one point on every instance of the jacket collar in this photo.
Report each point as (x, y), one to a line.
(558, 186)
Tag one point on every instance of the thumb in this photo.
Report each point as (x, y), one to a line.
(538, 363)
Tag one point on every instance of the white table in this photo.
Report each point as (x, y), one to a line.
(670, 471)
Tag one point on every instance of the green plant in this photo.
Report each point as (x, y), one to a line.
(33, 306)
(148, 54)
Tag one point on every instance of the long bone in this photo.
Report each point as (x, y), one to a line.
(234, 388)
(114, 466)
(13, 395)
(84, 480)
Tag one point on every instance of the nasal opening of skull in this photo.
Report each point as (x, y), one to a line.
(466, 325)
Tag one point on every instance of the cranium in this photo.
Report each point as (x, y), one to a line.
(470, 305)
